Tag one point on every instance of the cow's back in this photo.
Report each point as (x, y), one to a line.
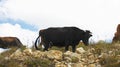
(6, 42)
(62, 34)
(55, 34)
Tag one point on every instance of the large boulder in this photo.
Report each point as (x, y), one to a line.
(116, 37)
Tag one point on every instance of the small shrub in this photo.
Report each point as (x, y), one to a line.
(23, 48)
(9, 63)
(113, 65)
(74, 59)
(58, 48)
(36, 62)
(9, 52)
(109, 61)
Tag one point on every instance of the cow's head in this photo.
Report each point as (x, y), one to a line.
(87, 34)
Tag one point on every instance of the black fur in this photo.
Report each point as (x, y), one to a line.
(66, 36)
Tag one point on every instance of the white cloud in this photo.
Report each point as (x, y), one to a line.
(3, 13)
(99, 16)
(27, 37)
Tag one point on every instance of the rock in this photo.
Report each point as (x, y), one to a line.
(97, 60)
(77, 65)
(71, 54)
(54, 54)
(91, 58)
(98, 65)
(117, 34)
(81, 58)
(80, 50)
(117, 45)
(67, 53)
(67, 59)
(27, 51)
(94, 65)
(91, 65)
(110, 53)
(118, 56)
(38, 54)
(69, 65)
(7, 58)
(74, 57)
(92, 50)
(16, 53)
(103, 55)
(60, 64)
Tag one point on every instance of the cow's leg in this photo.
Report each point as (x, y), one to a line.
(46, 45)
(45, 49)
(73, 48)
(66, 47)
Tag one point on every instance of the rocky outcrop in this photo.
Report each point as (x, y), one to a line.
(117, 34)
(98, 55)
(91, 57)
(80, 58)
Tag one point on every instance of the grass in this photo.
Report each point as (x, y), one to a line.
(8, 63)
(111, 60)
(30, 62)
(36, 62)
(74, 59)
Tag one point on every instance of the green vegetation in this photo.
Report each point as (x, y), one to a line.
(112, 59)
(75, 59)
(31, 62)
(36, 62)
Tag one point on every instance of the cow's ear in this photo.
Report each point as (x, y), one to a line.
(88, 32)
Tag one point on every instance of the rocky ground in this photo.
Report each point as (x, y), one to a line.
(92, 57)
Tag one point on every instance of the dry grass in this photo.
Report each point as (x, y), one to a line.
(112, 59)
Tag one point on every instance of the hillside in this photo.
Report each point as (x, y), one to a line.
(95, 55)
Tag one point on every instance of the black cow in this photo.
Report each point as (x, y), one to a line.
(6, 42)
(64, 36)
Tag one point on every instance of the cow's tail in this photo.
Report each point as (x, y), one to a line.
(36, 42)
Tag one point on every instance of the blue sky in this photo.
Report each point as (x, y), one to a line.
(101, 17)
(22, 23)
